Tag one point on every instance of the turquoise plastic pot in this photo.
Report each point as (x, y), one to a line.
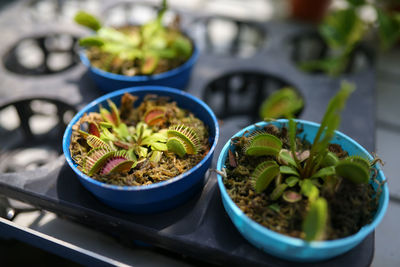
(290, 248)
(158, 196)
(175, 78)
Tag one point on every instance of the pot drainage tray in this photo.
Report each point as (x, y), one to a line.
(230, 85)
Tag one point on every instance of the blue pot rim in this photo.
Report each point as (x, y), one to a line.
(161, 89)
(297, 242)
(141, 78)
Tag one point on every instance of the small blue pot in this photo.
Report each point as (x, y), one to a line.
(290, 248)
(109, 82)
(159, 196)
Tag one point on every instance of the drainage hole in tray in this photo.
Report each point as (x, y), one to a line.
(240, 94)
(130, 13)
(59, 10)
(41, 55)
(31, 132)
(228, 37)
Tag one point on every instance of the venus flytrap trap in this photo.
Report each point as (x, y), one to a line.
(299, 182)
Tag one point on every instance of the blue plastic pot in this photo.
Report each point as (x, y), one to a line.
(109, 82)
(290, 248)
(159, 196)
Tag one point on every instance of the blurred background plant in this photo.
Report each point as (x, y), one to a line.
(346, 26)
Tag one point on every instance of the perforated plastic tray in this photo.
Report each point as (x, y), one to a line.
(227, 79)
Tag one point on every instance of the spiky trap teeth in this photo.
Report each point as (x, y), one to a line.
(262, 144)
(105, 161)
(181, 135)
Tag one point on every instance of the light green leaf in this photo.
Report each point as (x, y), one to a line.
(275, 207)
(282, 103)
(330, 159)
(285, 158)
(315, 223)
(278, 191)
(289, 170)
(91, 41)
(327, 171)
(87, 20)
(292, 181)
(309, 190)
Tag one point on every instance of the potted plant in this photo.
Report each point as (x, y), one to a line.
(148, 155)
(149, 54)
(299, 190)
(343, 31)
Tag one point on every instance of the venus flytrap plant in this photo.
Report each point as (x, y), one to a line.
(110, 145)
(135, 50)
(305, 173)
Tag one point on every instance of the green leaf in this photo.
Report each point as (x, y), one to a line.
(107, 136)
(91, 41)
(131, 155)
(315, 223)
(122, 131)
(87, 20)
(156, 156)
(332, 66)
(353, 171)
(309, 190)
(105, 125)
(278, 191)
(329, 160)
(275, 207)
(112, 35)
(285, 158)
(291, 181)
(342, 29)
(282, 103)
(321, 173)
(329, 124)
(141, 151)
(263, 175)
(389, 29)
(292, 141)
(289, 170)
(182, 46)
(159, 146)
(177, 146)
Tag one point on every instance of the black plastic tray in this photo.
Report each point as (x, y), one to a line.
(200, 228)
